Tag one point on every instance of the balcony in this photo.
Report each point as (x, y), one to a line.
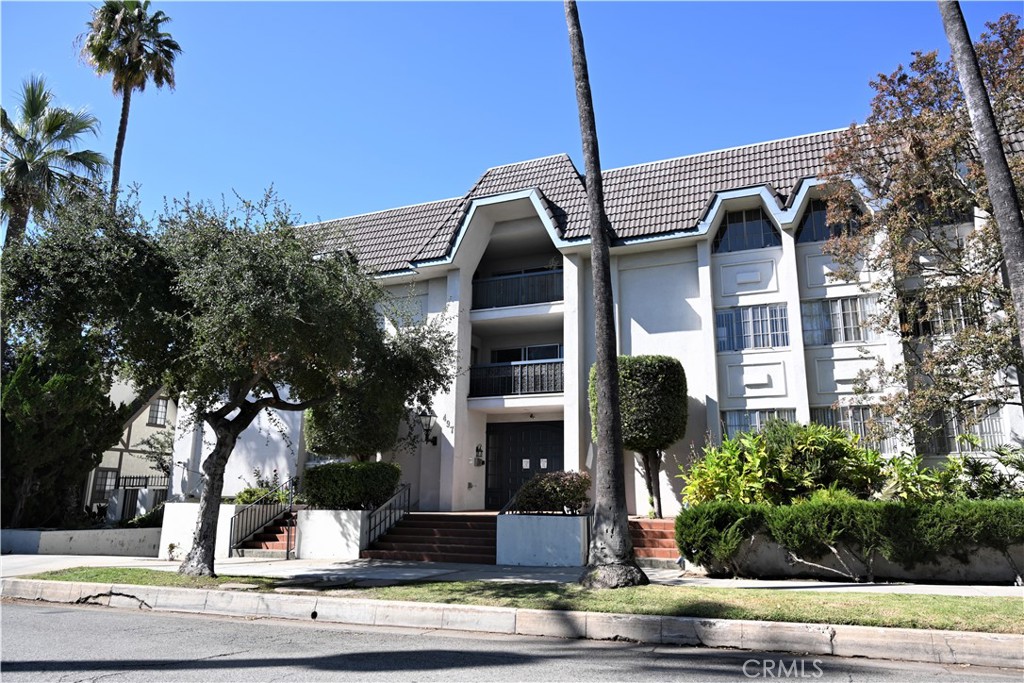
(517, 290)
(516, 379)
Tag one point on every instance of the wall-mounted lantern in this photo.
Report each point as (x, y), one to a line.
(427, 418)
(478, 460)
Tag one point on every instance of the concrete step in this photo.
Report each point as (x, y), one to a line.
(436, 539)
(443, 548)
(421, 531)
(652, 534)
(657, 563)
(413, 556)
(664, 553)
(408, 523)
(260, 553)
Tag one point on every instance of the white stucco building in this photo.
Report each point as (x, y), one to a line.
(716, 260)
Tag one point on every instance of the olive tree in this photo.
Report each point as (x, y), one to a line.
(255, 320)
(652, 400)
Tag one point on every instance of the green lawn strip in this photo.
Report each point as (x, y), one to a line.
(953, 613)
(149, 577)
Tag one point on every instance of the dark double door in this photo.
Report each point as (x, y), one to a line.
(518, 450)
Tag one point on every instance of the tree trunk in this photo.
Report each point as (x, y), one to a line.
(22, 496)
(17, 222)
(122, 130)
(652, 477)
(199, 561)
(611, 563)
(1001, 191)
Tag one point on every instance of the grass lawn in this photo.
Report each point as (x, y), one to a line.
(993, 615)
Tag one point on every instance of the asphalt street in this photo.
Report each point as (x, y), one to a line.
(46, 642)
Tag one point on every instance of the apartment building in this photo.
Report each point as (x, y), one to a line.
(716, 260)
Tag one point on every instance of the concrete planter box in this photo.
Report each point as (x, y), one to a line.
(117, 542)
(180, 527)
(762, 558)
(332, 534)
(543, 540)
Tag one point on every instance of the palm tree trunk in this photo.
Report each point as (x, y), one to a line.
(1001, 191)
(611, 563)
(17, 223)
(122, 130)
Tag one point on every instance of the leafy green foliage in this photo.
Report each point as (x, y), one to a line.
(39, 165)
(263, 486)
(653, 405)
(907, 533)
(350, 485)
(786, 462)
(153, 519)
(560, 492)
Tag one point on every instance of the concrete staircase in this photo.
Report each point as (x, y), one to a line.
(439, 537)
(654, 542)
(272, 541)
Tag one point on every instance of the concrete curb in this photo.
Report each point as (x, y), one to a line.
(897, 644)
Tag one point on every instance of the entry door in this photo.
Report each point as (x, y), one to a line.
(515, 452)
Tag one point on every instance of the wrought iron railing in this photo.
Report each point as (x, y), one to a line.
(142, 482)
(517, 290)
(525, 377)
(389, 514)
(251, 519)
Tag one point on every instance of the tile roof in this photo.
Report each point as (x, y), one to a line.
(643, 200)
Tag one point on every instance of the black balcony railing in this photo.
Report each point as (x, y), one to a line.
(517, 290)
(510, 379)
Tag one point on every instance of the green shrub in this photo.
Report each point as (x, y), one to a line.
(350, 485)
(563, 492)
(150, 520)
(905, 532)
(250, 495)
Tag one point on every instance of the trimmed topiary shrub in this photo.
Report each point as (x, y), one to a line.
(558, 492)
(350, 485)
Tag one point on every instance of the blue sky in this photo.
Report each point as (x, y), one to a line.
(348, 108)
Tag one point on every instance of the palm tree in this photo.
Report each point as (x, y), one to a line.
(40, 163)
(1001, 191)
(611, 563)
(125, 41)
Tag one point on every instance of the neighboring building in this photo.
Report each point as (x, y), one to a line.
(125, 466)
(716, 260)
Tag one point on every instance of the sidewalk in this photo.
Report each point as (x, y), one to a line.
(897, 644)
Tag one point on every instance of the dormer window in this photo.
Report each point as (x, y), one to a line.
(743, 230)
(813, 227)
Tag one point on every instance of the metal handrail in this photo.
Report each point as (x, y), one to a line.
(517, 289)
(251, 519)
(390, 513)
(511, 501)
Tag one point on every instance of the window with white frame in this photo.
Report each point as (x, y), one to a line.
(736, 421)
(157, 413)
(953, 434)
(857, 420)
(838, 321)
(103, 485)
(743, 230)
(752, 327)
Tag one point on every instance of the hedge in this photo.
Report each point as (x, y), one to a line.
(561, 492)
(350, 485)
(905, 533)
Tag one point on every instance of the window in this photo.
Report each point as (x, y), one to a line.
(743, 230)
(536, 352)
(920, 318)
(736, 421)
(986, 432)
(158, 413)
(752, 327)
(837, 321)
(857, 420)
(103, 485)
(813, 227)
